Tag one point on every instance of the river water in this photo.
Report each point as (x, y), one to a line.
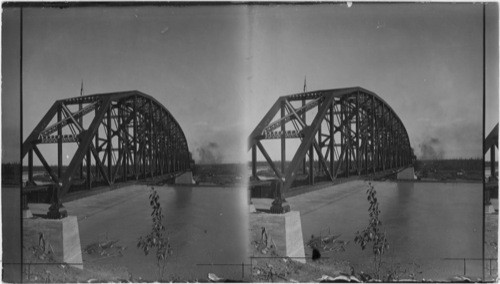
(426, 223)
(207, 227)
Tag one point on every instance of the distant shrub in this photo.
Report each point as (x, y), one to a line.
(157, 239)
(372, 233)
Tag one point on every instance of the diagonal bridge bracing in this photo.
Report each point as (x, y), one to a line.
(350, 131)
(118, 136)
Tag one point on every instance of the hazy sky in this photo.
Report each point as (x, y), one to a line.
(189, 59)
(218, 69)
(424, 60)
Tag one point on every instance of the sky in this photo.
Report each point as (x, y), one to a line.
(424, 60)
(218, 69)
(186, 58)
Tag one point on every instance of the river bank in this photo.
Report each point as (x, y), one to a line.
(429, 225)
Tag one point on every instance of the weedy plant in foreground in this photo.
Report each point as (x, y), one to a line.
(157, 239)
(372, 233)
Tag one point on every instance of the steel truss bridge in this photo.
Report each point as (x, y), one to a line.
(490, 143)
(118, 136)
(349, 131)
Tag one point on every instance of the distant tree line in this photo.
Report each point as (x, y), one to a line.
(460, 164)
(11, 173)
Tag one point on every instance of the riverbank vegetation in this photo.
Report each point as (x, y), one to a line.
(373, 234)
(450, 169)
(157, 240)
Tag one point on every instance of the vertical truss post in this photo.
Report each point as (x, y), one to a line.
(391, 142)
(348, 149)
(175, 155)
(150, 135)
(254, 161)
(398, 148)
(156, 133)
(144, 146)
(343, 144)
(372, 127)
(379, 137)
(366, 140)
(59, 143)
(135, 137)
(384, 139)
(165, 143)
(88, 180)
(311, 164)
(120, 164)
(153, 141)
(304, 120)
(109, 145)
(80, 121)
(283, 131)
(319, 144)
(162, 143)
(169, 153)
(492, 161)
(332, 140)
(128, 145)
(30, 166)
(97, 173)
(357, 150)
(124, 134)
(279, 204)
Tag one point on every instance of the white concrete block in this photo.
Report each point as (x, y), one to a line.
(283, 230)
(407, 174)
(61, 236)
(185, 178)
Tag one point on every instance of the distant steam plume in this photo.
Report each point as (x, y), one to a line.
(209, 153)
(431, 149)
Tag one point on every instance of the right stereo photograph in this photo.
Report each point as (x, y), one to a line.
(373, 142)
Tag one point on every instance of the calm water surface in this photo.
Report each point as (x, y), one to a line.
(425, 223)
(207, 228)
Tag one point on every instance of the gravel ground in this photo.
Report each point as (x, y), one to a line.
(282, 269)
(40, 267)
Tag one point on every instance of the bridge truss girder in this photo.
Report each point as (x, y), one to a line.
(353, 131)
(127, 135)
(490, 143)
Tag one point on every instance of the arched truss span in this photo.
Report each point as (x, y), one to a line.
(350, 131)
(118, 136)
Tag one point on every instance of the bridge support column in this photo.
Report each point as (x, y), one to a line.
(279, 205)
(493, 162)
(56, 209)
(30, 167)
(311, 165)
(284, 231)
(61, 236)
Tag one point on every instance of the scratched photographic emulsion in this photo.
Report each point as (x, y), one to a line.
(131, 142)
(249, 142)
(366, 142)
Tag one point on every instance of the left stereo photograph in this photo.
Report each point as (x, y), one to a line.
(122, 144)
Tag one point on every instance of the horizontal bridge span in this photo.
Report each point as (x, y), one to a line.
(119, 136)
(342, 132)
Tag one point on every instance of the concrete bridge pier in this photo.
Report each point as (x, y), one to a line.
(280, 227)
(284, 231)
(57, 237)
(407, 174)
(185, 178)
